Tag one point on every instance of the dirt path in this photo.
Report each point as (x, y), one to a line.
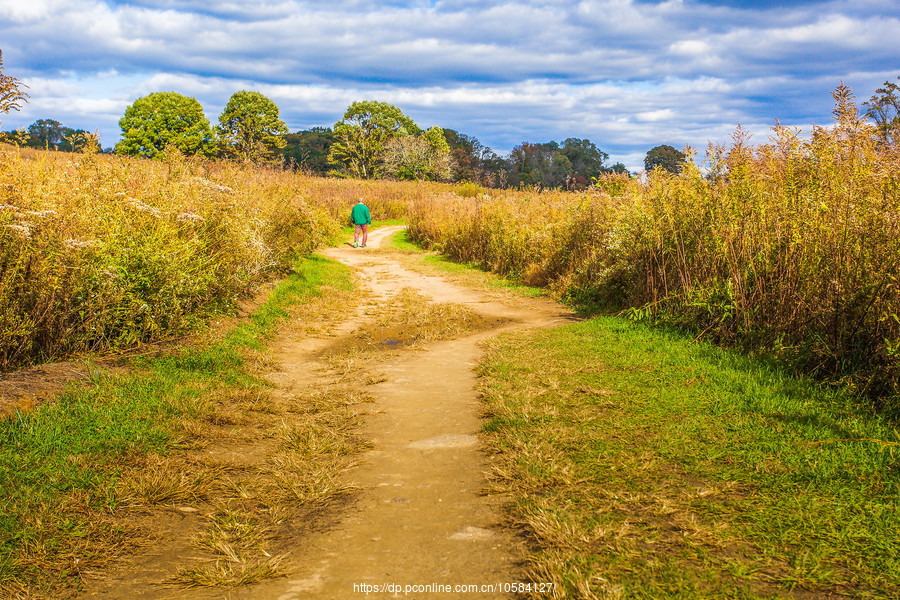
(418, 516)
(421, 518)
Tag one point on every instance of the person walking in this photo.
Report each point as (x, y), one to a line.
(361, 220)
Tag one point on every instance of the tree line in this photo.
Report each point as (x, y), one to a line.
(372, 140)
(375, 139)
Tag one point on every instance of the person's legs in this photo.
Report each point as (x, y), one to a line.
(365, 234)
(356, 232)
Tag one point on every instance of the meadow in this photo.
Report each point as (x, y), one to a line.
(639, 459)
(102, 253)
(789, 248)
(644, 465)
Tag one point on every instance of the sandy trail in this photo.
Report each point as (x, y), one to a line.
(421, 518)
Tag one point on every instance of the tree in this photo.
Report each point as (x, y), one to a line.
(50, 134)
(164, 119)
(45, 133)
(406, 157)
(361, 136)
(586, 160)
(417, 157)
(250, 127)
(665, 157)
(470, 160)
(11, 91)
(884, 108)
(542, 165)
(438, 154)
(466, 154)
(572, 165)
(309, 149)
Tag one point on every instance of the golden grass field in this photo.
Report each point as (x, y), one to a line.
(789, 248)
(101, 252)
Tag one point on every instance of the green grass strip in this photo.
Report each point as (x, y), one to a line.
(402, 241)
(472, 274)
(644, 465)
(60, 462)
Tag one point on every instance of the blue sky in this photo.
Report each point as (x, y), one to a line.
(627, 74)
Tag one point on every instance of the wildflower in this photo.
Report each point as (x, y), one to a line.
(23, 229)
(212, 184)
(72, 244)
(142, 206)
(186, 216)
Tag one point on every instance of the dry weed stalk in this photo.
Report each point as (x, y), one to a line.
(100, 252)
(791, 247)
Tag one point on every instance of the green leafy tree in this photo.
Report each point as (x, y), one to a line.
(250, 127)
(165, 119)
(665, 157)
(362, 135)
(884, 108)
(572, 165)
(309, 149)
(436, 139)
(46, 133)
(12, 93)
(52, 135)
(541, 165)
(438, 154)
(586, 158)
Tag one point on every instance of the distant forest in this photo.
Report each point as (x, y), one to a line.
(571, 164)
(373, 140)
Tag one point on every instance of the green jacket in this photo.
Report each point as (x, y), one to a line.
(360, 215)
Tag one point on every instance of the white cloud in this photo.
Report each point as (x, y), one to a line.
(652, 116)
(18, 12)
(623, 73)
(690, 47)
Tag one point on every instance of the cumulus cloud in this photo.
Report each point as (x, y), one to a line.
(627, 74)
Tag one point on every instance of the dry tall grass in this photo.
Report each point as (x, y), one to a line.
(790, 247)
(104, 251)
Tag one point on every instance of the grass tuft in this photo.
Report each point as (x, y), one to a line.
(407, 320)
(224, 573)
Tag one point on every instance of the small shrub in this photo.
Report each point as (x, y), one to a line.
(467, 189)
